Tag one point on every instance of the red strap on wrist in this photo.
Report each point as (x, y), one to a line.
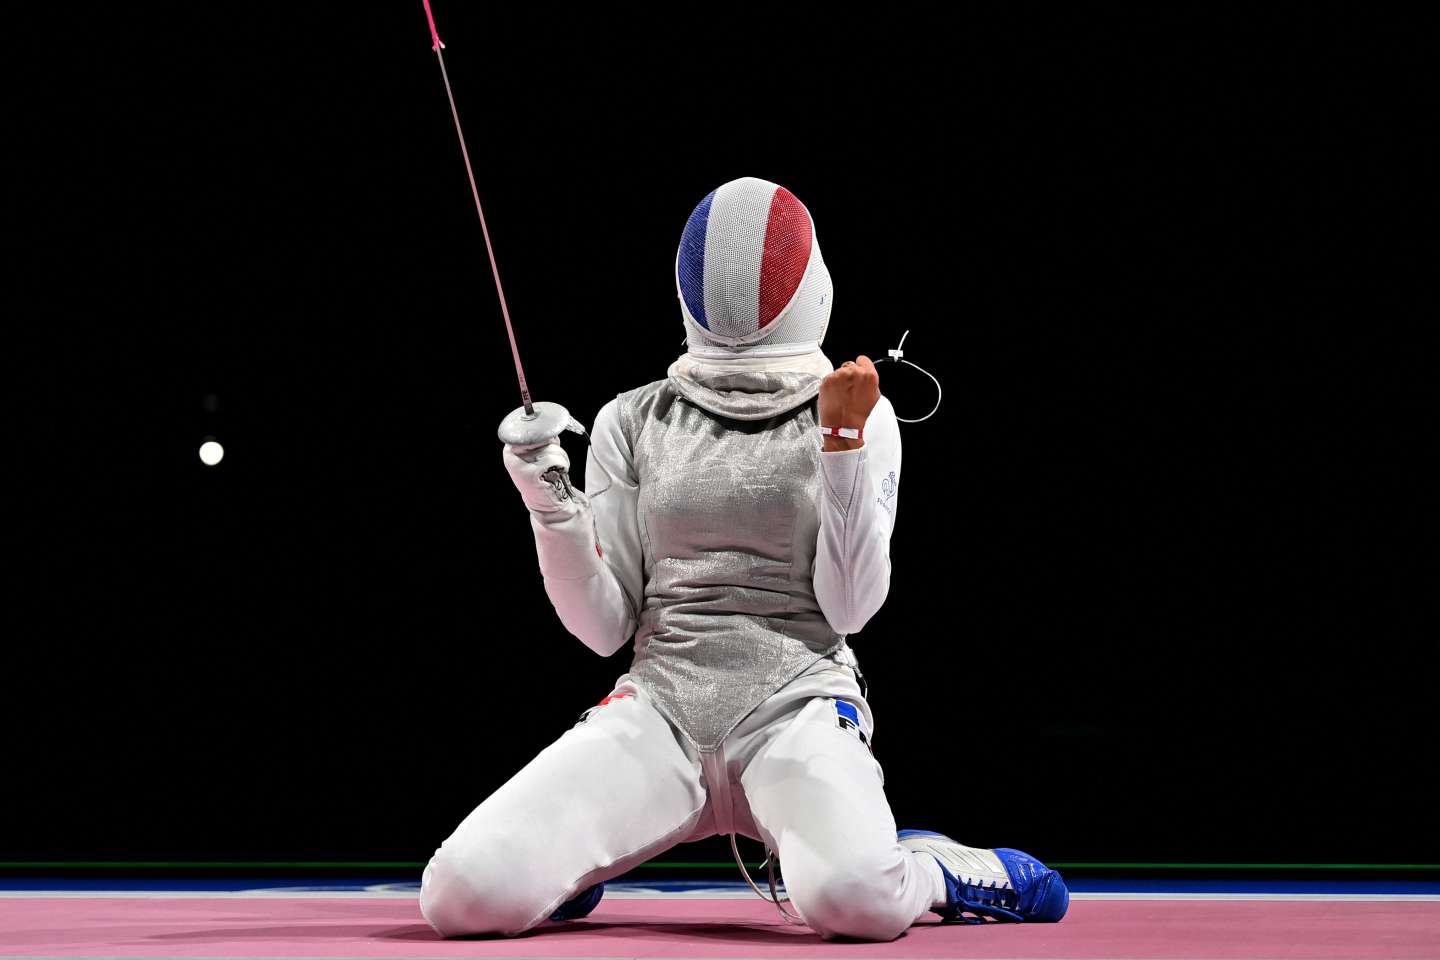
(849, 433)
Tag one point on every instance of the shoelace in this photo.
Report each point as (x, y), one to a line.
(989, 901)
(986, 902)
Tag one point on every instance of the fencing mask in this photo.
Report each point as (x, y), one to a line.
(750, 276)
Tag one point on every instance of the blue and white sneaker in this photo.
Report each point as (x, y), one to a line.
(581, 904)
(1002, 884)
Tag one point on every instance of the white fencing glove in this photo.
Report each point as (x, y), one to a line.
(541, 472)
(565, 539)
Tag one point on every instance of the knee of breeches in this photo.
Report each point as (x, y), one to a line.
(477, 891)
(850, 900)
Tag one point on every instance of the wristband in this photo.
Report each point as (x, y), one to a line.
(849, 433)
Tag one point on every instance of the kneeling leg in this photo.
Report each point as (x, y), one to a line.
(611, 793)
(818, 799)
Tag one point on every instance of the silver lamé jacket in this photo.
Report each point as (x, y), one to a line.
(717, 534)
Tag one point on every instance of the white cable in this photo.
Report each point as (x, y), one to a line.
(774, 895)
(898, 355)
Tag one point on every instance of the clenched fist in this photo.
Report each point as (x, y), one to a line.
(846, 398)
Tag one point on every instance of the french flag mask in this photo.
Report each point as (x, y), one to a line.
(749, 273)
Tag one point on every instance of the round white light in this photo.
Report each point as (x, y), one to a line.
(211, 453)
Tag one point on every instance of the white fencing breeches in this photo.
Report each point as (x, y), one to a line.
(622, 787)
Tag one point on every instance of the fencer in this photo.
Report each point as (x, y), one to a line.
(735, 523)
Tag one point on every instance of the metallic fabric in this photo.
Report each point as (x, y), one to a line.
(730, 487)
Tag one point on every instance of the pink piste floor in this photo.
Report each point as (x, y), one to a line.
(1107, 927)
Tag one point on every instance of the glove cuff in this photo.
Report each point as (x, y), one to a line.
(567, 547)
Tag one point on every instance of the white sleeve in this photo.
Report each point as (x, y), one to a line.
(591, 558)
(857, 513)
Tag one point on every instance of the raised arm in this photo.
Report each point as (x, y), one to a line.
(860, 481)
(588, 545)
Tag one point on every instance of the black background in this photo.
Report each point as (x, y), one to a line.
(1161, 585)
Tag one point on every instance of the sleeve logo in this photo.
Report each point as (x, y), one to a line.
(888, 487)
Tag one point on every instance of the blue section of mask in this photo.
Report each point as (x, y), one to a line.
(691, 263)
